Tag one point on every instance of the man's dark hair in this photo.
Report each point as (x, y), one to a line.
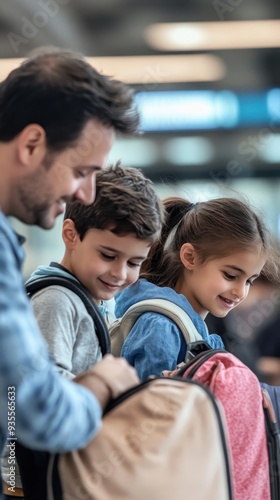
(60, 91)
(125, 203)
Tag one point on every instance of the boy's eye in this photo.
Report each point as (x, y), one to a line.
(107, 257)
(134, 264)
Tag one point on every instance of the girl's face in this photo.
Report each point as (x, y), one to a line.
(221, 284)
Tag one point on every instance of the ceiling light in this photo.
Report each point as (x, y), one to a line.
(189, 150)
(187, 110)
(150, 71)
(270, 148)
(273, 104)
(7, 65)
(136, 152)
(213, 35)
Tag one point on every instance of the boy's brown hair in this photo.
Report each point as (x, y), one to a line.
(125, 203)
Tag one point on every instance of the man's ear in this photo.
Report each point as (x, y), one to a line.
(31, 146)
(69, 234)
(188, 256)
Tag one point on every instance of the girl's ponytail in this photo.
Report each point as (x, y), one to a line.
(157, 263)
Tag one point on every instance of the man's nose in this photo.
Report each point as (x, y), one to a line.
(86, 191)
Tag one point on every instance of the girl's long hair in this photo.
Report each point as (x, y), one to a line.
(216, 228)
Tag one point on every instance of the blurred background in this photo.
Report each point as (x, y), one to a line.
(207, 80)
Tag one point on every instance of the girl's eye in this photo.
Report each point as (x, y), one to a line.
(134, 264)
(229, 276)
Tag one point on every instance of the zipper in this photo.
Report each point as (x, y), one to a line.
(198, 361)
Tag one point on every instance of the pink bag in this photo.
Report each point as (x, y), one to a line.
(239, 391)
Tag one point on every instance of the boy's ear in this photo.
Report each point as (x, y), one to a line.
(188, 256)
(69, 234)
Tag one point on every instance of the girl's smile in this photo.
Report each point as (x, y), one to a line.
(219, 284)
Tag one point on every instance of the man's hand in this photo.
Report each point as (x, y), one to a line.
(109, 378)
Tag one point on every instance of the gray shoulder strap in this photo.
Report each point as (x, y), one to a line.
(120, 329)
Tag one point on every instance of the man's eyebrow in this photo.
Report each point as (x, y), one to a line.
(89, 167)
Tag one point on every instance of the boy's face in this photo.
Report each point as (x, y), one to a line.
(104, 262)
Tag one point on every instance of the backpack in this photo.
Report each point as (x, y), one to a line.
(271, 396)
(101, 328)
(252, 426)
(121, 327)
(163, 439)
(238, 390)
(167, 437)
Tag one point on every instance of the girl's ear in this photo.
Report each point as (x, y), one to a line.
(69, 234)
(188, 256)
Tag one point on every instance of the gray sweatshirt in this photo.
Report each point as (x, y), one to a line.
(66, 325)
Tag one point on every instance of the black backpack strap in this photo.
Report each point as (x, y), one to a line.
(92, 309)
(33, 467)
(271, 412)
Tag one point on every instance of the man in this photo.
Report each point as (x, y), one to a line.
(58, 118)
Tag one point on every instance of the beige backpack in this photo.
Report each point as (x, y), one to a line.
(162, 440)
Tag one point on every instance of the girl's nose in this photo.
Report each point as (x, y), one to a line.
(241, 291)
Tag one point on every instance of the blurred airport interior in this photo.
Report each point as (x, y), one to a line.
(207, 81)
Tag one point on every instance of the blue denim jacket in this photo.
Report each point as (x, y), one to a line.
(155, 342)
(51, 413)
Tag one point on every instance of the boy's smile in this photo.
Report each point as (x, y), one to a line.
(105, 262)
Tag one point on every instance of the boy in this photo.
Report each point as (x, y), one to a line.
(105, 245)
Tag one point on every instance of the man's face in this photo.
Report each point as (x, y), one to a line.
(64, 177)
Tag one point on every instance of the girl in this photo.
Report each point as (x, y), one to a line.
(208, 256)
